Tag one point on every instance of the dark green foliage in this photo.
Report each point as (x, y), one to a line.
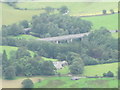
(27, 83)
(47, 68)
(24, 23)
(13, 30)
(104, 11)
(77, 66)
(108, 74)
(22, 52)
(9, 72)
(5, 62)
(112, 11)
(63, 9)
(55, 25)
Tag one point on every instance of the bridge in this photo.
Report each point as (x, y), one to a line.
(68, 38)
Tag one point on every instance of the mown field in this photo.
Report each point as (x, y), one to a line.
(66, 82)
(10, 15)
(94, 70)
(63, 82)
(108, 21)
(100, 69)
(76, 8)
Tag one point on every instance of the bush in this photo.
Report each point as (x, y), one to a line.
(104, 11)
(27, 83)
(10, 72)
(108, 74)
(112, 11)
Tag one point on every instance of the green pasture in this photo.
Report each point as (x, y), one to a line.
(94, 70)
(75, 8)
(66, 82)
(108, 21)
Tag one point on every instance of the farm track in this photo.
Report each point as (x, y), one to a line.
(17, 83)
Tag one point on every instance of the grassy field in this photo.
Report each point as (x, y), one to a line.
(66, 82)
(9, 50)
(109, 21)
(27, 37)
(10, 15)
(63, 82)
(116, 35)
(100, 69)
(75, 8)
(94, 70)
(65, 70)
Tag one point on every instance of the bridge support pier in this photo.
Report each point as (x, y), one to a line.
(68, 41)
(56, 42)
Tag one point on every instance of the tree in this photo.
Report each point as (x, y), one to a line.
(14, 30)
(104, 12)
(47, 68)
(27, 83)
(5, 62)
(10, 72)
(77, 66)
(108, 74)
(24, 23)
(63, 9)
(22, 52)
(112, 11)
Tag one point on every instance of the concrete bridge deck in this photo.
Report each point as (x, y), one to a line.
(65, 37)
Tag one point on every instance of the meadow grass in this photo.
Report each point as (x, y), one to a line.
(94, 70)
(116, 35)
(66, 82)
(64, 70)
(108, 21)
(27, 37)
(75, 8)
(49, 59)
(11, 15)
(9, 50)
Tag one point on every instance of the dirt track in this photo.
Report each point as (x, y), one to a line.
(17, 83)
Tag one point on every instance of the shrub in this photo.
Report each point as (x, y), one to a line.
(27, 83)
(104, 12)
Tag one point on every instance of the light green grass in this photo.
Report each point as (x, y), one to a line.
(116, 35)
(108, 21)
(66, 82)
(100, 69)
(49, 59)
(94, 70)
(64, 70)
(76, 8)
(10, 15)
(9, 50)
(27, 37)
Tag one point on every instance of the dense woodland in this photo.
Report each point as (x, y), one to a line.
(97, 48)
